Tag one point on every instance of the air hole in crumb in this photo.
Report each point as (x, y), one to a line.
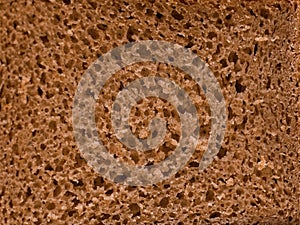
(40, 91)
(215, 214)
(51, 206)
(48, 167)
(52, 125)
(57, 191)
(98, 182)
(255, 48)
(77, 183)
(116, 217)
(211, 35)
(239, 87)
(67, 2)
(59, 70)
(159, 15)
(43, 146)
(278, 66)
(93, 33)
(228, 17)
(233, 57)
(223, 63)
(131, 32)
(193, 164)
(177, 15)
(164, 202)
(247, 50)
(210, 195)
(222, 153)
(135, 209)
(109, 192)
(71, 213)
(44, 39)
(180, 195)
(265, 13)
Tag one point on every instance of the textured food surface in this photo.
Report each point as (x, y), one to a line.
(250, 46)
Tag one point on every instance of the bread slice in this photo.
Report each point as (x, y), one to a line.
(252, 49)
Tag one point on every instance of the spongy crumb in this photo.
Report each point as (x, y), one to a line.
(251, 47)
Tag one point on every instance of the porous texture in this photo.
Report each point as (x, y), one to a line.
(251, 47)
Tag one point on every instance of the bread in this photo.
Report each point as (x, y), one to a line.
(251, 48)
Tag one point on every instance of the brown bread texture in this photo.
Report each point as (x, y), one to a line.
(252, 48)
